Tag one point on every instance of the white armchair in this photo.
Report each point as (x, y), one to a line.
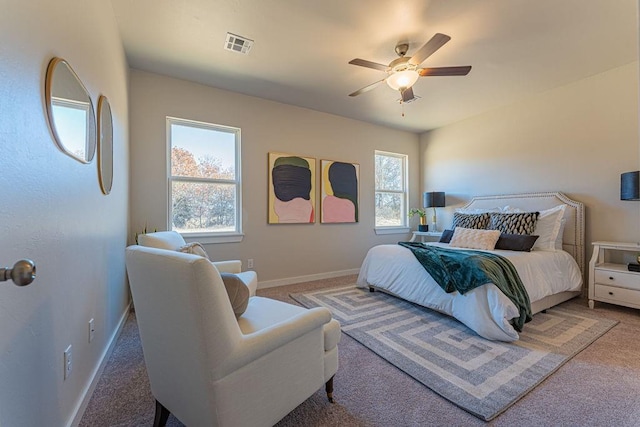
(173, 240)
(208, 367)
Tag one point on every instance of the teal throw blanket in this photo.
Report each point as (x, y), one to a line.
(464, 270)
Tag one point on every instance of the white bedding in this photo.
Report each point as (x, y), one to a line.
(485, 309)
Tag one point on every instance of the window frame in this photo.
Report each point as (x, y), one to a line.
(404, 227)
(206, 236)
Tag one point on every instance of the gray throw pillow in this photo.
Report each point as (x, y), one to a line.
(516, 242)
(238, 293)
(446, 236)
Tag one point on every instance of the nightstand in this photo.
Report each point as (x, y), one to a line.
(430, 236)
(612, 282)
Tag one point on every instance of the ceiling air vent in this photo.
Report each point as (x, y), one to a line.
(238, 44)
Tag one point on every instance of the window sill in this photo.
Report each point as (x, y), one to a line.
(212, 238)
(392, 230)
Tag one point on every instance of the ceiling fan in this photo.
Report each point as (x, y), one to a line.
(403, 72)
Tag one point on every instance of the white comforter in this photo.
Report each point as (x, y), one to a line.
(485, 309)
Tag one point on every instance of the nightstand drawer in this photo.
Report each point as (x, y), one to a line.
(617, 278)
(611, 293)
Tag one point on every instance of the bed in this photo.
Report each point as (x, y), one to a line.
(549, 276)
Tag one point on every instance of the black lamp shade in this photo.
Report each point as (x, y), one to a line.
(433, 199)
(629, 186)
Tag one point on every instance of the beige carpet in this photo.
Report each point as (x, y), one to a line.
(598, 387)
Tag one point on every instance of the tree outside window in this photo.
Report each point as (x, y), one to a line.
(391, 189)
(204, 178)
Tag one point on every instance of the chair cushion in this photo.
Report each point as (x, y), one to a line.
(264, 312)
(238, 292)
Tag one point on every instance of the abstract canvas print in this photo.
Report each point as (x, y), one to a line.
(339, 191)
(291, 189)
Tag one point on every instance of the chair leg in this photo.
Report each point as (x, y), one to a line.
(162, 415)
(329, 389)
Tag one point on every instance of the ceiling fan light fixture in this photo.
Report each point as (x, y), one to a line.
(401, 80)
(403, 72)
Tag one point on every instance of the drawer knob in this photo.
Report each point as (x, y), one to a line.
(610, 278)
(610, 293)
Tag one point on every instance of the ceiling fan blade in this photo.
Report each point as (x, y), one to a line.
(367, 88)
(368, 64)
(407, 95)
(445, 71)
(429, 48)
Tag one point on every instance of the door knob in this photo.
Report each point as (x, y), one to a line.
(22, 273)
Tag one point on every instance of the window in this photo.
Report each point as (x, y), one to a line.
(73, 125)
(204, 180)
(391, 190)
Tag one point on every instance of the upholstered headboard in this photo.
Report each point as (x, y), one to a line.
(573, 237)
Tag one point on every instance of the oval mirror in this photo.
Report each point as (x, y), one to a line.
(105, 145)
(70, 111)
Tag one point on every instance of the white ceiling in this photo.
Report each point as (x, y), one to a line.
(302, 48)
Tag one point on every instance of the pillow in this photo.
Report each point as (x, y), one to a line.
(446, 236)
(516, 242)
(548, 227)
(509, 242)
(194, 248)
(474, 238)
(514, 223)
(477, 210)
(478, 221)
(238, 293)
(558, 243)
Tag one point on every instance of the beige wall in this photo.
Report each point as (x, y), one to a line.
(53, 211)
(576, 139)
(280, 252)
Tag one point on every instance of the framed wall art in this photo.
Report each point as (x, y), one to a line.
(339, 192)
(292, 198)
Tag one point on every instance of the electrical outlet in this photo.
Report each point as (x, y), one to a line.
(68, 362)
(250, 263)
(92, 330)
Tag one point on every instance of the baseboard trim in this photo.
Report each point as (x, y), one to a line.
(97, 373)
(308, 278)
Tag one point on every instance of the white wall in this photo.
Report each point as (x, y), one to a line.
(53, 212)
(280, 251)
(576, 139)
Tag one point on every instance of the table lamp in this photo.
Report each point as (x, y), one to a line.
(630, 186)
(433, 199)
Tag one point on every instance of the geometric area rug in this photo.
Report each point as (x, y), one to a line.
(482, 377)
